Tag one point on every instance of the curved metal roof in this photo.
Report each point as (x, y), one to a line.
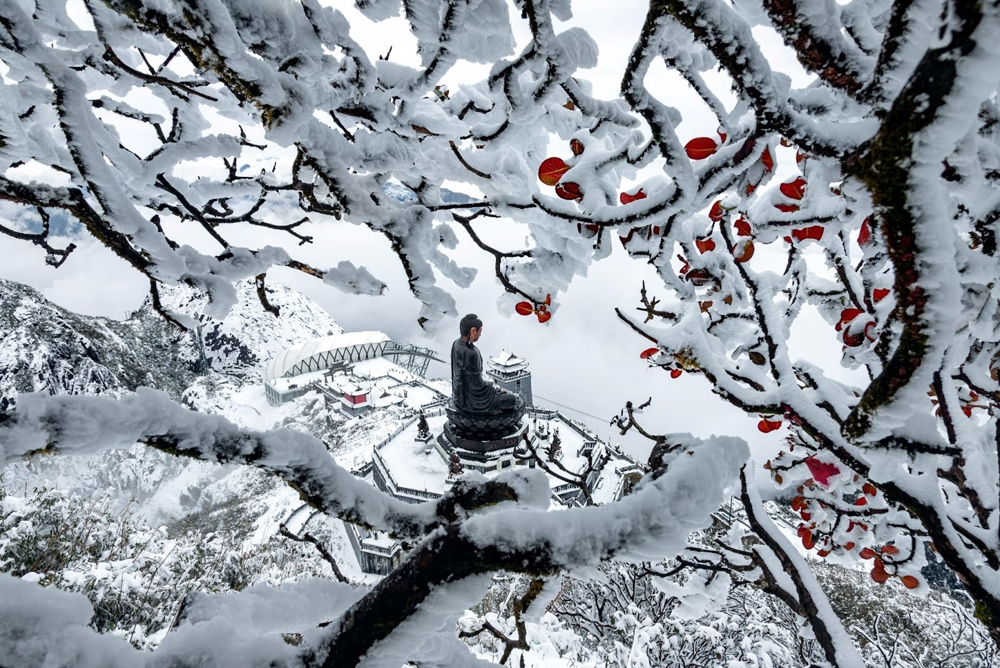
(371, 343)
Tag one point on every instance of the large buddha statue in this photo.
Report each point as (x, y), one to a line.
(471, 392)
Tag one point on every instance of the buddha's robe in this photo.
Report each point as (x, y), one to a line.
(470, 391)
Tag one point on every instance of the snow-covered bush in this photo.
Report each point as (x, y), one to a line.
(135, 576)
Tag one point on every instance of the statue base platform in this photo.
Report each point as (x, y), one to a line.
(482, 456)
(508, 442)
(484, 427)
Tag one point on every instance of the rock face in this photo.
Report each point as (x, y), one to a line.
(45, 348)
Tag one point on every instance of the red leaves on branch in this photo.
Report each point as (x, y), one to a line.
(867, 553)
(794, 189)
(766, 426)
(910, 581)
(540, 310)
(576, 146)
(551, 170)
(787, 208)
(625, 198)
(878, 294)
(700, 148)
(569, 190)
(648, 352)
(742, 227)
(869, 489)
(821, 471)
(675, 373)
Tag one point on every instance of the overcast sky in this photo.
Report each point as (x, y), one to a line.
(583, 358)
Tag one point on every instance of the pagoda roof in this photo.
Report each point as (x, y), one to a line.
(508, 360)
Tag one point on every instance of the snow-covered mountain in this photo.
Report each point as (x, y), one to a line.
(214, 368)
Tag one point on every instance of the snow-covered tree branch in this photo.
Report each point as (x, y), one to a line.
(147, 121)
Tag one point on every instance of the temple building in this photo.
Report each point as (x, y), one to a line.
(511, 373)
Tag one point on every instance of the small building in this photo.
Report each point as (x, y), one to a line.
(511, 373)
(355, 398)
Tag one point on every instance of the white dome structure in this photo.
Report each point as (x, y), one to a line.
(322, 353)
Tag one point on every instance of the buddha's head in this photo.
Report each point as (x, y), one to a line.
(471, 328)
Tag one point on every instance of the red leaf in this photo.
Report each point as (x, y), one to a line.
(853, 340)
(800, 156)
(698, 277)
(704, 245)
(767, 160)
(861, 501)
(878, 294)
(716, 212)
(675, 373)
(569, 190)
(543, 316)
(576, 146)
(849, 314)
(910, 582)
(821, 471)
(880, 576)
(867, 553)
(551, 170)
(700, 148)
(870, 331)
(743, 227)
(766, 426)
(722, 134)
(808, 541)
(798, 503)
(889, 550)
(524, 308)
(625, 198)
(787, 208)
(811, 232)
(869, 489)
(849, 545)
(548, 300)
(794, 189)
(648, 352)
(865, 235)
(745, 150)
(743, 252)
